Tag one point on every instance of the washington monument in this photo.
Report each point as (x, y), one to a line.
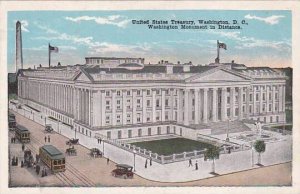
(19, 56)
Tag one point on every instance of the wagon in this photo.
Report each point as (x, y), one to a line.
(48, 128)
(123, 170)
(71, 151)
(95, 152)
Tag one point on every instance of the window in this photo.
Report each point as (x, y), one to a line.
(276, 96)
(119, 134)
(138, 117)
(271, 119)
(138, 92)
(149, 131)
(157, 92)
(176, 103)
(129, 133)
(128, 93)
(270, 107)
(107, 93)
(257, 97)
(140, 132)
(148, 92)
(251, 97)
(244, 97)
(108, 134)
(107, 119)
(158, 130)
(118, 93)
(175, 116)
(148, 116)
(228, 100)
(157, 102)
(118, 102)
(107, 104)
(270, 96)
(168, 129)
(277, 119)
(118, 119)
(250, 109)
(167, 91)
(264, 108)
(157, 116)
(148, 103)
(236, 111)
(167, 116)
(264, 96)
(128, 100)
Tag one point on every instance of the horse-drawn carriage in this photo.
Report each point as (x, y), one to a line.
(71, 151)
(72, 141)
(95, 152)
(48, 128)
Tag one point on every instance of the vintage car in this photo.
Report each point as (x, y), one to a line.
(95, 152)
(48, 128)
(72, 141)
(123, 170)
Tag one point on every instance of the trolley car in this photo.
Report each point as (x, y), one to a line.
(22, 134)
(11, 121)
(53, 158)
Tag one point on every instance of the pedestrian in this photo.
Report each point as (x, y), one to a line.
(48, 138)
(13, 161)
(37, 169)
(190, 162)
(23, 147)
(100, 140)
(43, 173)
(14, 139)
(34, 165)
(196, 165)
(37, 158)
(11, 140)
(150, 162)
(17, 161)
(107, 160)
(45, 139)
(146, 163)
(22, 164)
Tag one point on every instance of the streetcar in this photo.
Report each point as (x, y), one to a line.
(22, 134)
(11, 121)
(53, 158)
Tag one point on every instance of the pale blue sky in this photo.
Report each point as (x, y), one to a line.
(265, 41)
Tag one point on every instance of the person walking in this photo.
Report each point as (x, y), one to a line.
(190, 162)
(45, 139)
(196, 165)
(17, 161)
(107, 160)
(37, 169)
(13, 161)
(22, 163)
(146, 163)
(11, 140)
(37, 158)
(48, 138)
(150, 161)
(23, 147)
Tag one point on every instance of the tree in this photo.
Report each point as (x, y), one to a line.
(259, 147)
(212, 153)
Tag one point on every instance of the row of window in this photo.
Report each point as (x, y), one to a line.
(139, 92)
(138, 103)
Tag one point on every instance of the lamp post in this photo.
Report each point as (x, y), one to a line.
(227, 137)
(134, 153)
(103, 147)
(252, 154)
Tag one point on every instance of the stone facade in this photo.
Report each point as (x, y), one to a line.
(125, 102)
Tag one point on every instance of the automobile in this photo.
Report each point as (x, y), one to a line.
(72, 141)
(123, 170)
(48, 128)
(95, 152)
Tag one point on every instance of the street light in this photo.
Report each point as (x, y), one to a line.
(227, 137)
(134, 153)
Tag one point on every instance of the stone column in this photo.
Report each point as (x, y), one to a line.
(186, 106)
(196, 91)
(171, 103)
(223, 104)
(280, 98)
(273, 99)
(144, 92)
(153, 106)
(283, 99)
(89, 107)
(124, 106)
(205, 107)
(267, 96)
(134, 107)
(240, 103)
(247, 102)
(179, 109)
(214, 105)
(163, 105)
(261, 100)
(103, 107)
(254, 100)
(232, 102)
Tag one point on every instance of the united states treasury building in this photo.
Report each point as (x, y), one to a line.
(125, 98)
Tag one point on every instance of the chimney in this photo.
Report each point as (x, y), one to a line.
(169, 69)
(186, 68)
(19, 55)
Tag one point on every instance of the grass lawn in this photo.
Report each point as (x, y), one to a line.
(287, 127)
(172, 146)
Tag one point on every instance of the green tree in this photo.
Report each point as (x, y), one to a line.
(259, 147)
(212, 153)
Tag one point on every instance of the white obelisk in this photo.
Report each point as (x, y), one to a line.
(19, 56)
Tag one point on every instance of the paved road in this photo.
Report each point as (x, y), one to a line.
(82, 170)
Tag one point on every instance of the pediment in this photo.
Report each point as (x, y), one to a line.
(82, 77)
(218, 75)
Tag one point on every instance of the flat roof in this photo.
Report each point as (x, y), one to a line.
(22, 129)
(53, 152)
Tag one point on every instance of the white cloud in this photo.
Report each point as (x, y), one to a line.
(24, 24)
(115, 20)
(274, 19)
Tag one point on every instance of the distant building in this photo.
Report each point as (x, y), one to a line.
(124, 98)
